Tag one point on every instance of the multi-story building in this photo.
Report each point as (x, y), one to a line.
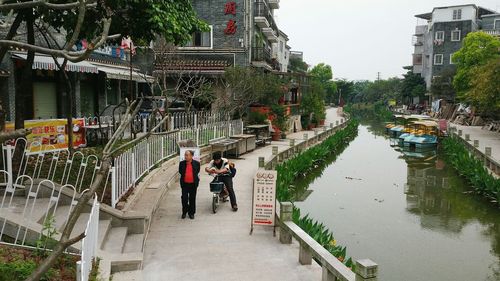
(442, 36)
(242, 33)
(281, 52)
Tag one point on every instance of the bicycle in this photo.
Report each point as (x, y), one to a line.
(216, 187)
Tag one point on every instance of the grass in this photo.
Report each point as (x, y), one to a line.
(299, 167)
(18, 263)
(472, 169)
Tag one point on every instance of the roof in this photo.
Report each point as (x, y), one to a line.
(482, 11)
(283, 34)
(192, 65)
(47, 63)
(123, 73)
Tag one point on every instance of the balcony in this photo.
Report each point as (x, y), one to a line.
(270, 34)
(420, 29)
(417, 40)
(263, 16)
(274, 4)
(262, 55)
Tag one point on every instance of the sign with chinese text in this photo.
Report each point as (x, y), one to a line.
(264, 198)
(230, 9)
(51, 134)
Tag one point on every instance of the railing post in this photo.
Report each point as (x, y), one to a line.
(10, 172)
(275, 150)
(286, 210)
(460, 132)
(487, 151)
(148, 156)
(292, 142)
(306, 139)
(476, 143)
(366, 270)
(327, 275)
(134, 175)
(305, 256)
(261, 162)
(113, 187)
(79, 271)
(336, 122)
(467, 137)
(331, 125)
(197, 136)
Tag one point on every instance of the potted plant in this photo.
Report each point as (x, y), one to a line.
(280, 120)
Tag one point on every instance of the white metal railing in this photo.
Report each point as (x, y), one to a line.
(131, 165)
(494, 32)
(89, 243)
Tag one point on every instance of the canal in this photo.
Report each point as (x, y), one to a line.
(408, 213)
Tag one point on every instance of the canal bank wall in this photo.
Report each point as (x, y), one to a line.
(333, 267)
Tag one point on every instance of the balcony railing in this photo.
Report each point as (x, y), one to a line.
(262, 55)
(262, 11)
(494, 32)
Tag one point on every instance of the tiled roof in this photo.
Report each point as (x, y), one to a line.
(192, 65)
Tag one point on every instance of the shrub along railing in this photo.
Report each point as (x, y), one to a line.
(315, 240)
(471, 164)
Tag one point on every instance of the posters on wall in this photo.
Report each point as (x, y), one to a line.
(51, 134)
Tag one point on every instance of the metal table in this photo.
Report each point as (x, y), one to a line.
(226, 145)
(261, 132)
(246, 143)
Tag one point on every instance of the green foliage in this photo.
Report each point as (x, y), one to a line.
(305, 162)
(477, 50)
(255, 117)
(312, 105)
(281, 118)
(472, 169)
(174, 20)
(373, 111)
(46, 240)
(485, 89)
(378, 91)
(345, 88)
(413, 85)
(297, 65)
(322, 72)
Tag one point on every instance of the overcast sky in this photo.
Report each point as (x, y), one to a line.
(358, 38)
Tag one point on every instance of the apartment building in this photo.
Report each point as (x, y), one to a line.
(446, 27)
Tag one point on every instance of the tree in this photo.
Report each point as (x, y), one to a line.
(413, 85)
(477, 50)
(297, 65)
(485, 89)
(345, 89)
(87, 19)
(322, 72)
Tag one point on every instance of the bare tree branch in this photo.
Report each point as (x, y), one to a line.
(43, 3)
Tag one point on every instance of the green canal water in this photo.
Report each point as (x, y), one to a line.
(408, 213)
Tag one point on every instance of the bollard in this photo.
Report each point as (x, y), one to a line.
(261, 162)
(331, 125)
(286, 209)
(337, 123)
(467, 137)
(476, 143)
(460, 133)
(305, 256)
(315, 133)
(366, 270)
(324, 129)
(487, 151)
(292, 142)
(275, 150)
(342, 120)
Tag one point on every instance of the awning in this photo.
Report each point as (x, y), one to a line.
(47, 63)
(122, 73)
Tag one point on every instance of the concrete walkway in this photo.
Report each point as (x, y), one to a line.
(486, 139)
(218, 246)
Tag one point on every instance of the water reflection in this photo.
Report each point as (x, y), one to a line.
(445, 233)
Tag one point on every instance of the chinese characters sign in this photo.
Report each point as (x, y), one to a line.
(264, 198)
(51, 134)
(230, 9)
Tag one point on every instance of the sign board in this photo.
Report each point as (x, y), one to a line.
(264, 198)
(196, 151)
(52, 134)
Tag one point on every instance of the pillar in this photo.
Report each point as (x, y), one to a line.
(286, 209)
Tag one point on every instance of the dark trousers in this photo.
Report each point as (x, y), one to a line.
(188, 198)
(228, 182)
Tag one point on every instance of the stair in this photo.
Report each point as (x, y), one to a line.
(133, 243)
(116, 240)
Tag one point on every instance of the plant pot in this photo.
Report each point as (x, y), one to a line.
(276, 136)
(310, 126)
(283, 135)
(322, 122)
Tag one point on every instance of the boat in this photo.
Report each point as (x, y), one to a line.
(424, 134)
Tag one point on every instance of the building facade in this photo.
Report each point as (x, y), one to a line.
(436, 42)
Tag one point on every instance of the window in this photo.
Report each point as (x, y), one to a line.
(457, 14)
(455, 35)
(281, 46)
(451, 59)
(438, 59)
(417, 59)
(201, 39)
(496, 24)
(439, 36)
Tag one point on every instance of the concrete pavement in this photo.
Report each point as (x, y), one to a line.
(486, 139)
(218, 246)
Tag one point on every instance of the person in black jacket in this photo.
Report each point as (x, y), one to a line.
(189, 170)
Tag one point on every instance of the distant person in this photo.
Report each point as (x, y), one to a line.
(189, 170)
(220, 166)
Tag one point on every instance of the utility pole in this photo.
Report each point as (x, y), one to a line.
(378, 76)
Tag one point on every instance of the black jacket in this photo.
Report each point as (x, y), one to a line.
(196, 171)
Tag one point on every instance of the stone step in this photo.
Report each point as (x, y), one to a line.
(61, 216)
(133, 243)
(135, 275)
(115, 240)
(18, 203)
(81, 224)
(104, 227)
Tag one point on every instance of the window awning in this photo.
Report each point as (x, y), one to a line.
(122, 73)
(47, 63)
